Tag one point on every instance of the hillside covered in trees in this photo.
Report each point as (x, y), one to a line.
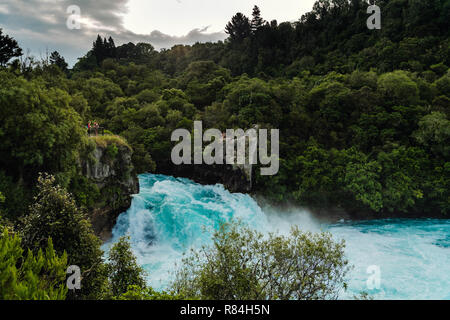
(364, 115)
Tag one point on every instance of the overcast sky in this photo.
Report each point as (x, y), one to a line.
(41, 25)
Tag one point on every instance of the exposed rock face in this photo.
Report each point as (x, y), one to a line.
(235, 178)
(114, 175)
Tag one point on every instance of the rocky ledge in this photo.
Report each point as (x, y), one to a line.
(235, 178)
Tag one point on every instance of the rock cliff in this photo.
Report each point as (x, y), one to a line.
(109, 167)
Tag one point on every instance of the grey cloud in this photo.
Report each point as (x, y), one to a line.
(161, 40)
(41, 24)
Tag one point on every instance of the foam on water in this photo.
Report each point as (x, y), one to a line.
(413, 257)
(171, 215)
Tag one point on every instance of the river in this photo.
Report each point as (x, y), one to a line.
(410, 258)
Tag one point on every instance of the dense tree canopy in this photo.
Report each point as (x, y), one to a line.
(358, 99)
(36, 123)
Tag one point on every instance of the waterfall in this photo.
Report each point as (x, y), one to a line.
(171, 215)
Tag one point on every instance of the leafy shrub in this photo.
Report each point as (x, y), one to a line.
(29, 276)
(242, 264)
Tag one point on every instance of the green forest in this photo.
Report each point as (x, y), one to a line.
(364, 119)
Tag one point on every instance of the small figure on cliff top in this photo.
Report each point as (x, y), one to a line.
(96, 126)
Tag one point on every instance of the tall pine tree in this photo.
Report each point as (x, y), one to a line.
(58, 60)
(9, 48)
(104, 49)
(257, 22)
(238, 28)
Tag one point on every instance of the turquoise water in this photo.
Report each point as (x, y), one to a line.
(169, 216)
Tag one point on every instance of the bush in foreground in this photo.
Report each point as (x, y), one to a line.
(54, 214)
(243, 264)
(123, 268)
(28, 276)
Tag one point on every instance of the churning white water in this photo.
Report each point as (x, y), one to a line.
(171, 215)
